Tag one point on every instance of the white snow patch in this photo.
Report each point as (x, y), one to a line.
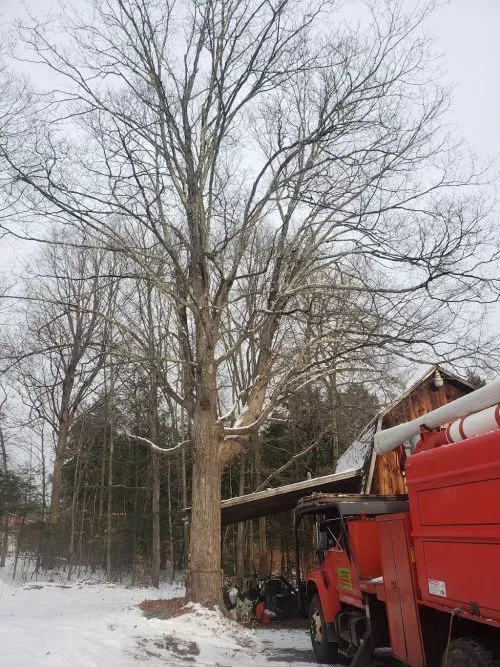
(89, 624)
(74, 624)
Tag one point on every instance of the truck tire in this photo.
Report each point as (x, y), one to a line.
(465, 652)
(325, 652)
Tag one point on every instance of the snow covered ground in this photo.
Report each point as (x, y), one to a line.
(96, 624)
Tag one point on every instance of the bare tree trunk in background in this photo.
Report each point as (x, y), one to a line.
(250, 548)
(263, 555)
(82, 525)
(5, 522)
(110, 426)
(5, 540)
(62, 440)
(283, 568)
(98, 556)
(185, 524)
(153, 435)
(109, 528)
(134, 525)
(240, 529)
(18, 547)
(170, 527)
(76, 485)
(331, 387)
(43, 473)
(263, 569)
(102, 488)
(155, 511)
(94, 528)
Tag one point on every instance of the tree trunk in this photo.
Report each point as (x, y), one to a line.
(263, 569)
(5, 540)
(263, 559)
(153, 434)
(134, 525)
(82, 526)
(76, 489)
(333, 396)
(185, 524)
(155, 565)
(109, 424)
(155, 482)
(102, 480)
(5, 532)
(57, 475)
(204, 575)
(109, 530)
(43, 474)
(240, 530)
(18, 544)
(170, 527)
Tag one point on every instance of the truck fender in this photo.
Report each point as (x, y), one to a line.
(319, 583)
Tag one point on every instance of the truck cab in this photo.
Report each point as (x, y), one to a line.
(349, 565)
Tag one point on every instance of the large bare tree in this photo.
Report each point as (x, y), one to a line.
(288, 168)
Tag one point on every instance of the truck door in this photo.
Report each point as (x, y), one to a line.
(401, 589)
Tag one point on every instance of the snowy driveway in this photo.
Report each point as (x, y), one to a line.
(99, 625)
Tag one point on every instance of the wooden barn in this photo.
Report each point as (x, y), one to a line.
(383, 474)
(359, 469)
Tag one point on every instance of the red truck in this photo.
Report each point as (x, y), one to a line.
(415, 578)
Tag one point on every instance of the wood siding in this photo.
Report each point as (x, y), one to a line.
(387, 476)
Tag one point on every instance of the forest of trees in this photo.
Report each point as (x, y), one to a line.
(252, 225)
(108, 488)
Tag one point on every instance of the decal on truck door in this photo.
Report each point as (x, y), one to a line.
(437, 587)
(344, 577)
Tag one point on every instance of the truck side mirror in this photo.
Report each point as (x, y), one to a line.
(322, 540)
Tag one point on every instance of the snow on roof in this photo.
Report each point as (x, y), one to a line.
(356, 454)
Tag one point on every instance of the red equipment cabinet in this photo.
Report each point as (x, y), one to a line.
(454, 494)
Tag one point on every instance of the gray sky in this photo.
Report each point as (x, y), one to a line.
(467, 36)
(467, 33)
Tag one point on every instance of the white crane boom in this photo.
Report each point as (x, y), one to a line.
(478, 400)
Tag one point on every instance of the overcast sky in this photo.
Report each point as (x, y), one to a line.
(467, 36)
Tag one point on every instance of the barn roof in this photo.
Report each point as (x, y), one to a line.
(284, 498)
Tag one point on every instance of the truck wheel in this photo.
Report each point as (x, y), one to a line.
(468, 653)
(324, 651)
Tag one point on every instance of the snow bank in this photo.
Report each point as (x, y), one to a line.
(75, 624)
(218, 639)
(97, 624)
